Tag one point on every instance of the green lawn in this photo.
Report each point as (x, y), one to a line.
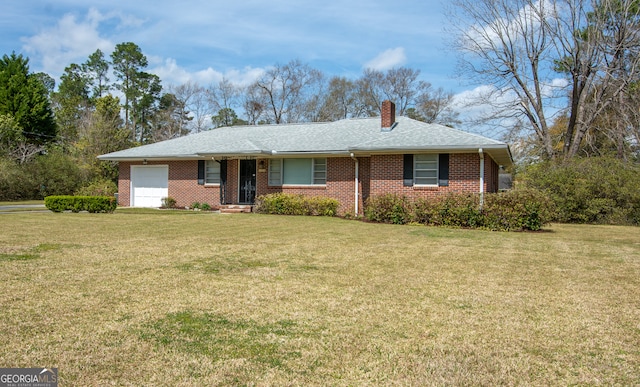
(186, 298)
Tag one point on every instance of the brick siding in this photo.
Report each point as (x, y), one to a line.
(183, 184)
(379, 174)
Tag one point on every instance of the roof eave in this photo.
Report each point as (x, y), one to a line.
(107, 157)
(499, 152)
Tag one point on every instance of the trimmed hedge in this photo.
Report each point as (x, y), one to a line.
(515, 210)
(81, 203)
(288, 204)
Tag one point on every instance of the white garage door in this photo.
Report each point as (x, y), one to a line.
(149, 184)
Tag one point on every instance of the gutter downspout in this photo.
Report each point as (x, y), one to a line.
(356, 194)
(481, 154)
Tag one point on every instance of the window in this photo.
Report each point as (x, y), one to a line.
(319, 171)
(212, 172)
(425, 169)
(298, 171)
(275, 172)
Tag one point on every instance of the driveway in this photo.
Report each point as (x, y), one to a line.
(17, 208)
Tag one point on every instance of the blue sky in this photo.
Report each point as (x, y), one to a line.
(202, 41)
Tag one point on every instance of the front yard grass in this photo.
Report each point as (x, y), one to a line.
(188, 298)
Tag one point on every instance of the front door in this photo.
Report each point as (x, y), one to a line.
(247, 181)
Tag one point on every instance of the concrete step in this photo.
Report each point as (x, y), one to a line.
(235, 208)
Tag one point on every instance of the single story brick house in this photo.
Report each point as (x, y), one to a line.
(349, 160)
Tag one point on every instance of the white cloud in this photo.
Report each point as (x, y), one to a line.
(172, 74)
(508, 25)
(388, 59)
(475, 104)
(68, 41)
(244, 77)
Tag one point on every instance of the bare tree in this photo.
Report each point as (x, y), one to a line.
(225, 98)
(435, 106)
(413, 97)
(284, 91)
(224, 95)
(544, 56)
(253, 104)
(195, 102)
(14, 144)
(341, 101)
(370, 92)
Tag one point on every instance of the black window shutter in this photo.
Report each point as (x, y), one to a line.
(407, 172)
(223, 171)
(201, 172)
(443, 169)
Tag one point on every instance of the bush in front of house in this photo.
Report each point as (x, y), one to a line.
(388, 208)
(168, 202)
(91, 204)
(504, 211)
(289, 204)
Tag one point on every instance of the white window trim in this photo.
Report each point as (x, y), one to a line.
(437, 169)
(280, 183)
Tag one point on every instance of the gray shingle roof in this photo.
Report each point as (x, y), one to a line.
(358, 136)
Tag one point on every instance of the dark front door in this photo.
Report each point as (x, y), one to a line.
(247, 181)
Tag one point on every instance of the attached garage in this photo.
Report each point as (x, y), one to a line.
(149, 184)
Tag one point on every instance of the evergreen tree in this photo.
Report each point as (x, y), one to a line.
(24, 97)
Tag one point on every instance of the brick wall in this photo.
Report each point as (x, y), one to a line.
(340, 184)
(464, 176)
(379, 174)
(184, 187)
(183, 184)
(124, 183)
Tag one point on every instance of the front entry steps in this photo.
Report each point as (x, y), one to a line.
(235, 208)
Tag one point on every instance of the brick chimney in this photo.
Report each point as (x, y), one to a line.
(388, 115)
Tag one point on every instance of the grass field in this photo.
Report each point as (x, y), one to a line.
(184, 298)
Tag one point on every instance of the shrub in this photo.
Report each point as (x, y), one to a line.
(195, 206)
(512, 210)
(205, 207)
(168, 202)
(53, 174)
(589, 190)
(518, 209)
(388, 208)
(98, 187)
(12, 181)
(459, 210)
(91, 204)
(288, 204)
